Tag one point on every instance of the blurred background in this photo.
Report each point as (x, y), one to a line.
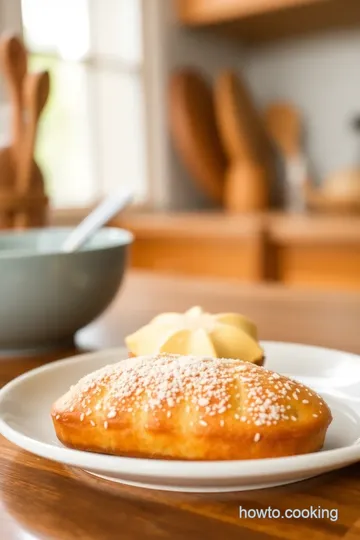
(236, 122)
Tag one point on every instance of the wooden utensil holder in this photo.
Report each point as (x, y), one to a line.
(35, 207)
(23, 201)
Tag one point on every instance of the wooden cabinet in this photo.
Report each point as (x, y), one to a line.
(311, 251)
(323, 252)
(208, 245)
(325, 266)
(261, 20)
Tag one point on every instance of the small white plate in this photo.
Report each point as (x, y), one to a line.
(25, 420)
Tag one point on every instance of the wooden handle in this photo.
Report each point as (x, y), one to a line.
(13, 57)
(247, 145)
(246, 188)
(36, 93)
(283, 123)
(238, 119)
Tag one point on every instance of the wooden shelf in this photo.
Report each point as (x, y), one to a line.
(263, 20)
(200, 12)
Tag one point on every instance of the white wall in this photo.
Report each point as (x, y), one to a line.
(321, 76)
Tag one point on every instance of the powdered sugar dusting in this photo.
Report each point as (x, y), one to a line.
(205, 387)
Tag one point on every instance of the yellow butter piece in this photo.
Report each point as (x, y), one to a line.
(196, 332)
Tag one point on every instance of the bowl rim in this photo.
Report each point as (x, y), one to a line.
(117, 238)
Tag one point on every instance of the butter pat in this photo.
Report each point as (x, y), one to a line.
(197, 333)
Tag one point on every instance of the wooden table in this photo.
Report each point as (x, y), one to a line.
(43, 500)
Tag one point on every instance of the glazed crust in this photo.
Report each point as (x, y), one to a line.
(188, 408)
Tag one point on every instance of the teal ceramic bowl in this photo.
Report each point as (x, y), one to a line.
(46, 296)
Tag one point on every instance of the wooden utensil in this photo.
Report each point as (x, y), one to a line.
(194, 131)
(250, 170)
(284, 126)
(7, 182)
(13, 57)
(13, 61)
(36, 93)
(246, 188)
(8, 172)
(239, 122)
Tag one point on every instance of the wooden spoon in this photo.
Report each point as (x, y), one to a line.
(36, 93)
(239, 122)
(13, 57)
(249, 173)
(194, 130)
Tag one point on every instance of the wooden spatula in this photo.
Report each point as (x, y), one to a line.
(36, 93)
(284, 125)
(239, 122)
(194, 131)
(249, 174)
(13, 58)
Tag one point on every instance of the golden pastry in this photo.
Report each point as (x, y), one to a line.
(195, 332)
(190, 408)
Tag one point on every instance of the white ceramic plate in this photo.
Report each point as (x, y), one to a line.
(24, 420)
